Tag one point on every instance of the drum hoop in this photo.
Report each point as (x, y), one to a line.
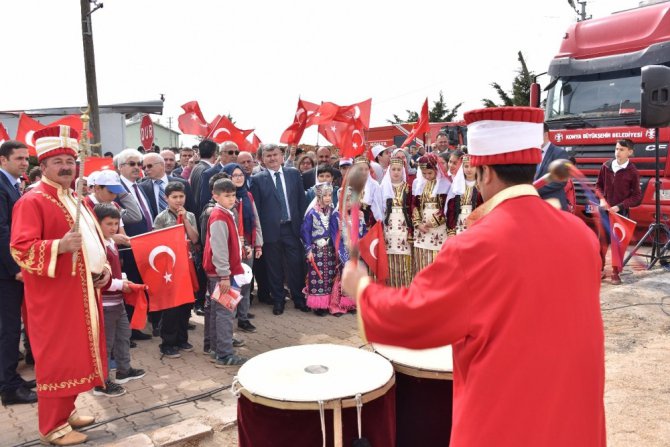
(422, 373)
(314, 405)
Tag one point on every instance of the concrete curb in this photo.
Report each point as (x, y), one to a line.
(189, 432)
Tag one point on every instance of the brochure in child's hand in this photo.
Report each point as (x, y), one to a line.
(229, 299)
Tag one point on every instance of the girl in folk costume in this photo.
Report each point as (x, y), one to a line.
(339, 230)
(462, 199)
(396, 200)
(429, 197)
(320, 249)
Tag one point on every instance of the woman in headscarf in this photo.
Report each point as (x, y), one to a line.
(429, 192)
(249, 228)
(398, 229)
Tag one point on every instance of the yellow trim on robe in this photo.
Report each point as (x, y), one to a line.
(53, 259)
(363, 283)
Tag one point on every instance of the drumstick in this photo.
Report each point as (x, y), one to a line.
(559, 171)
(316, 269)
(357, 177)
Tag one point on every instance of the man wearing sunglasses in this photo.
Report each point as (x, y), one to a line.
(227, 154)
(155, 182)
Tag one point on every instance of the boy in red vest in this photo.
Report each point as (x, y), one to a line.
(117, 328)
(222, 260)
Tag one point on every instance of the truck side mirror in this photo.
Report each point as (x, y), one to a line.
(534, 95)
(655, 100)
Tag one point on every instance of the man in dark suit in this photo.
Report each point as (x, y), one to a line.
(280, 199)
(208, 152)
(13, 389)
(129, 165)
(554, 190)
(227, 154)
(155, 182)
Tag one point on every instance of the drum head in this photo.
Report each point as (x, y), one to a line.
(310, 373)
(434, 359)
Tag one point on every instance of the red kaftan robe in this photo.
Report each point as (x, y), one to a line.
(517, 297)
(64, 311)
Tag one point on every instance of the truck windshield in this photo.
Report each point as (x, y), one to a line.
(610, 94)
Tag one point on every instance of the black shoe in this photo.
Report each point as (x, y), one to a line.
(246, 326)
(138, 335)
(250, 316)
(200, 311)
(132, 374)
(29, 384)
(191, 327)
(278, 309)
(110, 389)
(20, 395)
(303, 308)
(170, 352)
(186, 347)
(133, 344)
(321, 312)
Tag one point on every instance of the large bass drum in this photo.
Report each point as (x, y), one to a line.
(315, 395)
(424, 394)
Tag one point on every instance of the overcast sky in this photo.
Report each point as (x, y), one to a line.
(254, 58)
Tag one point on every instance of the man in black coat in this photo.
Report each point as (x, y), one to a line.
(280, 199)
(156, 181)
(13, 389)
(554, 190)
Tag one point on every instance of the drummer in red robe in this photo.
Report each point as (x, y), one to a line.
(64, 309)
(527, 336)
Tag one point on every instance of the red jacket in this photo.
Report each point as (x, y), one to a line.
(621, 189)
(528, 345)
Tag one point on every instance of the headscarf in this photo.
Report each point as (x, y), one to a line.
(442, 183)
(242, 194)
(387, 184)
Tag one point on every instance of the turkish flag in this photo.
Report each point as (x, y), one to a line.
(28, 126)
(621, 232)
(191, 121)
(138, 299)
(222, 129)
(358, 113)
(255, 144)
(93, 164)
(4, 136)
(25, 130)
(324, 114)
(373, 251)
(348, 137)
(162, 260)
(420, 127)
(293, 133)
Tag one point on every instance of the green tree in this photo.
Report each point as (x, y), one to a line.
(439, 113)
(520, 94)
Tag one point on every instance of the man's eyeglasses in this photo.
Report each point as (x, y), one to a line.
(149, 166)
(233, 152)
(132, 164)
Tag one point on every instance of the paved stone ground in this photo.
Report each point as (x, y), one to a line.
(637, 342)
(169, 380)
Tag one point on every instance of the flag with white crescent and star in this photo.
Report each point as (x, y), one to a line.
(372, 247)
(162, 261)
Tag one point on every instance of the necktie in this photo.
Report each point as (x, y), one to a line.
(145, 211)
(162, 200)
(17, 188)
(282, 197)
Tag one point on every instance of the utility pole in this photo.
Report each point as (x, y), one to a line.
(89, 64)
(582, 13)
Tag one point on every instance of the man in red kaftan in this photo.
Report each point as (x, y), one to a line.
(527, 338)
(63, 308)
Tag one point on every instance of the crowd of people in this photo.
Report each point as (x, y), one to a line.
(279, 213)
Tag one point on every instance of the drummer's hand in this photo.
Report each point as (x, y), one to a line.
(121, 239)
(423, 228)
(351, 276)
